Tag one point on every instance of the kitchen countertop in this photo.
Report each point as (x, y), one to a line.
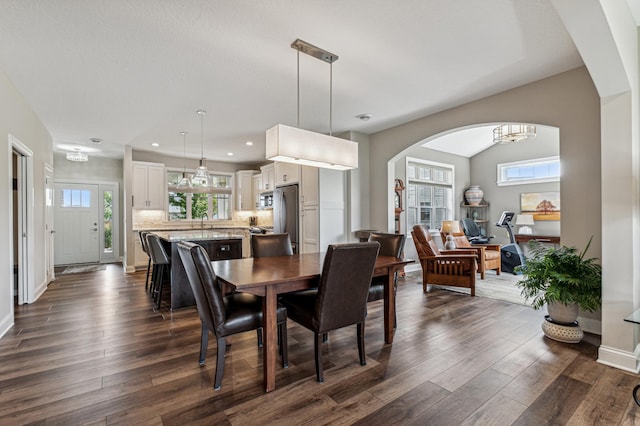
(197, 234)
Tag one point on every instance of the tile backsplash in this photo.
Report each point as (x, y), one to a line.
(157, 219)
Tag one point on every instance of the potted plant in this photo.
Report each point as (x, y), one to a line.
(564, 280)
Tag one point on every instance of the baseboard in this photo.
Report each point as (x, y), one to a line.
(590, 325)
(130, 269)
(6, 324)
(623, 360)
(39, 292)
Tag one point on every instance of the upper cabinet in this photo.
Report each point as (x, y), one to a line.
(256, 188)
(268, 178)
(149, 186)
(244, 188)
(287, 173)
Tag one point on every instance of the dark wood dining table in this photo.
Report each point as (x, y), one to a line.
(270, 276)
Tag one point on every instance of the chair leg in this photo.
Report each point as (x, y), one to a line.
(325, 337)
(222, 348)
(318, 355)
(152, 283)
(259, 331)
(204, 342)
(284, 349)
(363, 359)
(146, 283)
(160, 283)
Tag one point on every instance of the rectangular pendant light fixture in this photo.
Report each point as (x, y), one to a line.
(292, 145)
(295, 145)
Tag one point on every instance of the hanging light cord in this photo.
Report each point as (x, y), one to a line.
(184, 153)
(330, 98)
(298, 123)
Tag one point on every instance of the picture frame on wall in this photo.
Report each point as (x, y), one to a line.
(542, 205)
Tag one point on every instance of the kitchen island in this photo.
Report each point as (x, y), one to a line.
(219, 246)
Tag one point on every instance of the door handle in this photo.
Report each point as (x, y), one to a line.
(53, 232)
(94, 229)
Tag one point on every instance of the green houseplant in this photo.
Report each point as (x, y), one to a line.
(563, 276)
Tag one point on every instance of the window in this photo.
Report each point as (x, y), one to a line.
(194, 203)
(530, 171)
(429, 193)
(76, 198)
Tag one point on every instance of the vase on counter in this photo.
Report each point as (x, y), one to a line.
(473, 195)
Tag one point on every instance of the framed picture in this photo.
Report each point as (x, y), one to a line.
(542, 205)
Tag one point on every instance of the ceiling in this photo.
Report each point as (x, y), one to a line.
(134, 72)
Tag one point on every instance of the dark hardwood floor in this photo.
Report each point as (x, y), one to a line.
(93, 350)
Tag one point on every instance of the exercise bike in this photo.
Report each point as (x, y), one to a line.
(510, 254)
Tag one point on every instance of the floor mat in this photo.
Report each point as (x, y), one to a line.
(76, 269)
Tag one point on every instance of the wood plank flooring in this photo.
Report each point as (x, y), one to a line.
(94, 350)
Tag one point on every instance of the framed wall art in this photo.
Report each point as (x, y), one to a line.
(542, 205)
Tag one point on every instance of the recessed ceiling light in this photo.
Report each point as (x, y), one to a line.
(364, 117)
(230, 154)
(155, 144)
(248, 143)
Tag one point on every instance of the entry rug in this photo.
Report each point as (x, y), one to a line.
(75, 269)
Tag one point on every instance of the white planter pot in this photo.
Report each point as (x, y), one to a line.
(563, 314)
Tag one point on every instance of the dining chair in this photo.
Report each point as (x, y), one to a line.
(224, 315)
(390, 245)
(143, 244)
(160, 261)
(341, 297)
(266, 245)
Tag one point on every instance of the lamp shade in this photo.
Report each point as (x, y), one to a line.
(524, 219)
(293, 145)
(450, 227)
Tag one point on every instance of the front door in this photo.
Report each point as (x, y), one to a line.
(77, 238)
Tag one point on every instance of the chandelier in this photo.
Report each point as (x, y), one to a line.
(77, 156)
(295, 145)
(509, 133)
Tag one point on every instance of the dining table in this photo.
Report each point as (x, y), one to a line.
(271, 276)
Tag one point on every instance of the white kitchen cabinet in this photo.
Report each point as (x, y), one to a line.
(322, 208)
(286, 173)
(268, 177)
(256, 186)
(149, 188)
(244, 187)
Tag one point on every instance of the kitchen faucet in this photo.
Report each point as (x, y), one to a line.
(202, 219)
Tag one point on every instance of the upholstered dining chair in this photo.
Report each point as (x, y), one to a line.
(160, 261)
(341, 297)
(390, 245)
(266, 245)
(487, 255)
(143, 244)
(456, 268)
(224, 315)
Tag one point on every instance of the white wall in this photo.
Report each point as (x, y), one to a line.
(17, 118)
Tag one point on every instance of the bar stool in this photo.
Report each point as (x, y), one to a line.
(160, 261)
(145, 249)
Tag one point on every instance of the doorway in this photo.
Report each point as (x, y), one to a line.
(86, 222)
(22, 238)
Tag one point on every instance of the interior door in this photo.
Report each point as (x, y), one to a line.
(49, 231)
(76, 219)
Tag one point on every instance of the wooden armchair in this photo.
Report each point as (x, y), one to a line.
(488, 255)
(455, 268)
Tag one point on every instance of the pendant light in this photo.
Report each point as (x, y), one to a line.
(184, 182)
(201, 178)
(295, 145)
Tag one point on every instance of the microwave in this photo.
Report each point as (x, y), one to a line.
(266, 201)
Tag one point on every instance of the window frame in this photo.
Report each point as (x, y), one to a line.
(449, 208)
(211, 193)
(502, 167)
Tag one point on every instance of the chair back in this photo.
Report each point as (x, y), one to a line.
(143, 241)
(344, 285)
(267, 245)
(204, 284)
(461, 241)
(425, 246)
(390, 244)
(156, 251)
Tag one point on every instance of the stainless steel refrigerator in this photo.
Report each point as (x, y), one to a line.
(285, 213)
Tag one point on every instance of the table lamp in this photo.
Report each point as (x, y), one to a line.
(450, 227)
(524, 221)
